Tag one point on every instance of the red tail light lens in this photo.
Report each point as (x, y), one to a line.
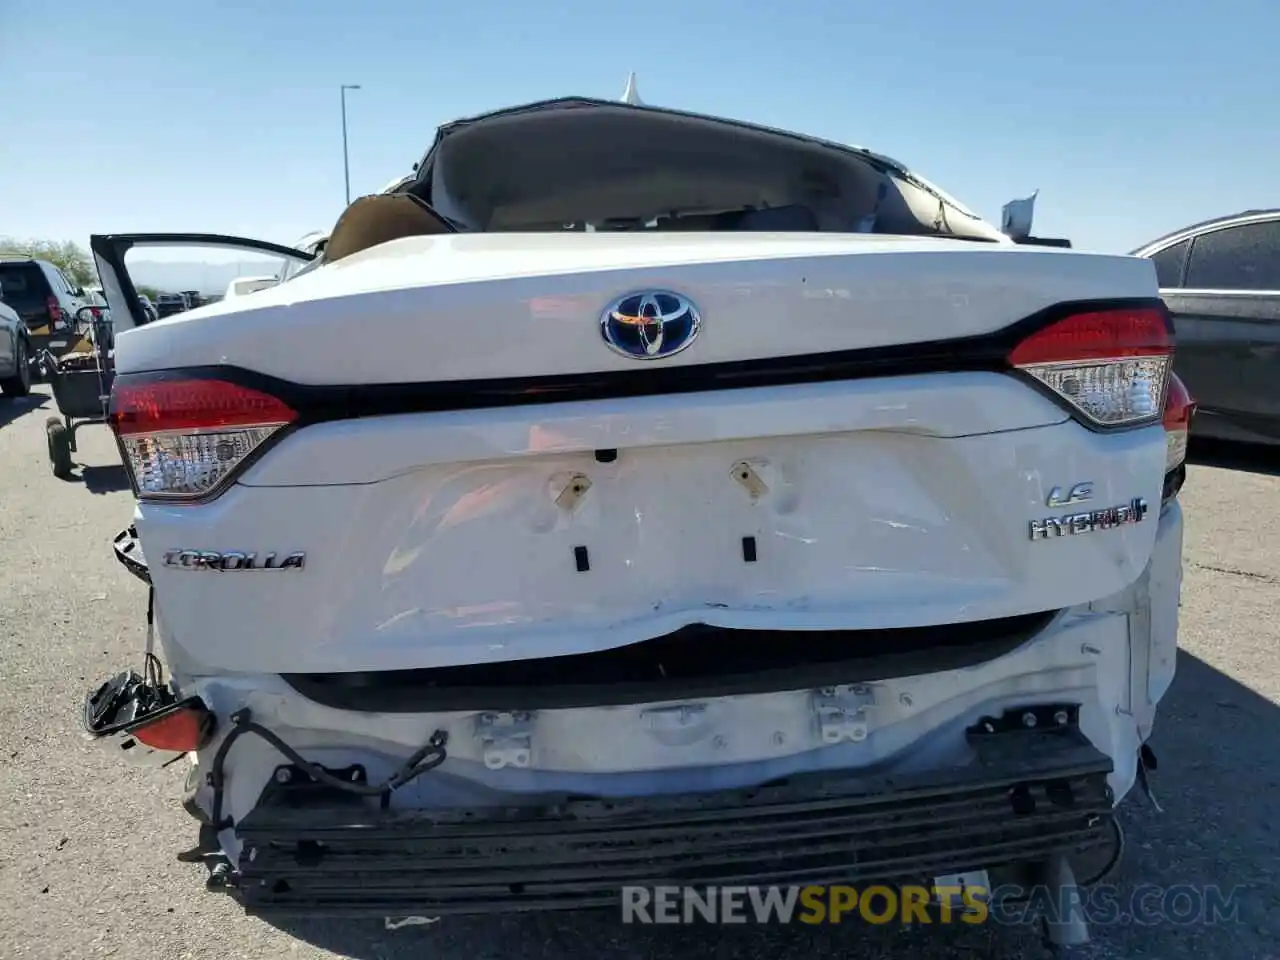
(1111, 366)
(184, 730)
(185, 439)
(54, 310)
(1179, 408)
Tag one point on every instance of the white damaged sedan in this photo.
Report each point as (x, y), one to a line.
(635, 497)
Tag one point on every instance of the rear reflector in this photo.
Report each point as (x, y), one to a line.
(184, 439)
(182, 731)
(1110, 366)
(1179, 408)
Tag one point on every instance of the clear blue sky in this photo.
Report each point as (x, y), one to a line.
(1133, 118)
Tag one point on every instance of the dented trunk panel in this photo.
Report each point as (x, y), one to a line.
(498, 556)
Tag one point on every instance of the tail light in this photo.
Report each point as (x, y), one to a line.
(144, 712)
(184, 728)
(1111, 366)
(55, 312)
(1179, 408)
(184, 439)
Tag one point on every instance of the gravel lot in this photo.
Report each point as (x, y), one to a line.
(88, 845)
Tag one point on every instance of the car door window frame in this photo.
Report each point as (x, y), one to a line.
(1186, 243)
(51, 277)
(1189, 258)
(109, 251)
(68, 289)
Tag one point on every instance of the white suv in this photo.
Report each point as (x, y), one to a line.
(662, 530)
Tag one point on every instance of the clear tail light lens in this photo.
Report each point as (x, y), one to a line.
(1179, 408)
(185, 438)
(1112, 366)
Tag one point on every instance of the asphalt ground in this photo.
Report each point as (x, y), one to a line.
(88, 845)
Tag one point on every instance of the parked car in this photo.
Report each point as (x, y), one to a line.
(242, 286)
(1221, 279)
(16, 351)
(686, 535)
(148, 308)
(167, 304)
(100, 312)
(94, 297)
(47, 300)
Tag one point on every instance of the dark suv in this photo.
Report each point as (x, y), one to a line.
(46, 300)
(167, 304)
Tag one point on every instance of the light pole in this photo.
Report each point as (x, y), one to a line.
(346, 164)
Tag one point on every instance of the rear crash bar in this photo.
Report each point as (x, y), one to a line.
(1030, 794)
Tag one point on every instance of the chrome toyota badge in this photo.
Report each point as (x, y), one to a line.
(650, 324)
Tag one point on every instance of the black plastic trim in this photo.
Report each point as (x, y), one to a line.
(1173, 482)
(820, 658)
(128, 551)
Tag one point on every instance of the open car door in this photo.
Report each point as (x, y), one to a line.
(130, 264)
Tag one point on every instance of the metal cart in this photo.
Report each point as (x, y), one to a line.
(81, 383)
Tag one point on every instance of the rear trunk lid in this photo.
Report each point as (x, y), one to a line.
(466, 307)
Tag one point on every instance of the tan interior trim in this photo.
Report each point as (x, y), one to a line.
(379, 218)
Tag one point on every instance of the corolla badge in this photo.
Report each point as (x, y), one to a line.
(650, 324)
(233, 561)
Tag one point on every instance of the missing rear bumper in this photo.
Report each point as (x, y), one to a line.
(1028, 794)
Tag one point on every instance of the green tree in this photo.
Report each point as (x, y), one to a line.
(69, 257)
(151, 293)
